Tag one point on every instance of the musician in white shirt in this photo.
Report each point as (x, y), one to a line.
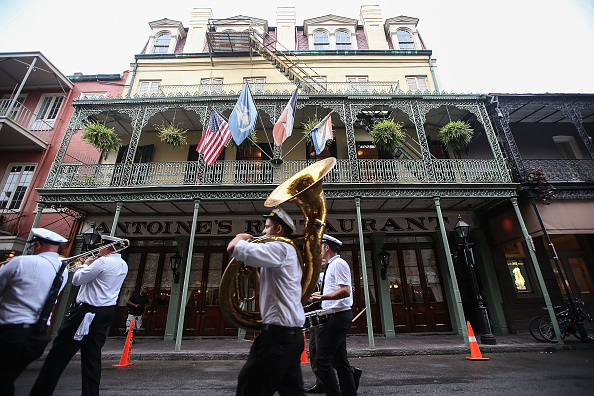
(86, 326)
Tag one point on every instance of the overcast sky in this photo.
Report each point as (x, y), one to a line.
(502, 46)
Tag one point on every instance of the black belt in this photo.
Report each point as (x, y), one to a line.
(17, 326)
(282, 329)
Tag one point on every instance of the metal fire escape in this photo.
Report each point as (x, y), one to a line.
(282, 59)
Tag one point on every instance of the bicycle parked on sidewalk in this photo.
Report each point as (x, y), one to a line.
(578, 322)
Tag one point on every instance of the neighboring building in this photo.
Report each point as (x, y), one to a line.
(549, 134)
(167, 200)
(35, 109)
(33, 117)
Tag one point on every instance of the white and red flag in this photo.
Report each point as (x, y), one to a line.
(284, 126)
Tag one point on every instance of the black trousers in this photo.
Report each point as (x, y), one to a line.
(18, 348)
(65, 347)
(331, 354)
(273, 365)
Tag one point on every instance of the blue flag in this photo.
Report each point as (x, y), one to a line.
(243, 117)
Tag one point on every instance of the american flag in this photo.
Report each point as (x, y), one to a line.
(214, 139)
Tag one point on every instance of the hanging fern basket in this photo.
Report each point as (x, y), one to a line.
(172, 134)
(387, 135)
(101, 137)
(456, 135)
(246, 145)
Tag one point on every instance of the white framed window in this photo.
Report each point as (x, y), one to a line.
(417, 83)
(211, 85)
(317, 82)
(93, 95)
(47, 112)
(148, 87)
(257, 84)
(405, 39)
(343, 40)
(162, 42)
(15, 185)
(568, 147)
(321, 40)
(358, 84)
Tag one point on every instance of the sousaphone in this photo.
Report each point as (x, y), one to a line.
(239, 284)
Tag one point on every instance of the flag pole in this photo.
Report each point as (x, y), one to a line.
(305, 136)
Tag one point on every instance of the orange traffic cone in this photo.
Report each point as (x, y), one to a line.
(304, 359)
(475, 352)
(125, 359)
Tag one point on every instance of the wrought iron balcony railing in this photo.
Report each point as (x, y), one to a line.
(26, 119)
(562, 170)
(234, 173)
(9, 219)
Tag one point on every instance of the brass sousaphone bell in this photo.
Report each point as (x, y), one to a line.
(238, 289)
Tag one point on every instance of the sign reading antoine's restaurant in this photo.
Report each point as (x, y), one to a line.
(230, 225)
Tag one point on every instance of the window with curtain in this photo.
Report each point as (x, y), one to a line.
(162, 43)
(321, 40)
(343, 40)
(148, 87)
(405, 39)
(417, 83)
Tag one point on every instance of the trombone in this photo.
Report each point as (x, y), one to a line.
(72, 263)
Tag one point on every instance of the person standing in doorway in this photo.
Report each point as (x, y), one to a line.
(273, 362)
(85, 327)
(136, 305)
(337, 299)
(25, 284)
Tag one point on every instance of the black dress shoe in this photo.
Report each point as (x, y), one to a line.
(315, 389)
(357, 376)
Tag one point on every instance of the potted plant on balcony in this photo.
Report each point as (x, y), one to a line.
(456, 135)
(387, 135)
(308, 126)
(101, 137)
(246, 144)
(172, 134)
(543, 189)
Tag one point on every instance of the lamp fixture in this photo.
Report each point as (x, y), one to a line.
(384, 256)
(91, 236)
(174, 264)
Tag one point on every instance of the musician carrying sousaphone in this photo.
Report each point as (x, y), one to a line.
(270, 368)
(85, 327)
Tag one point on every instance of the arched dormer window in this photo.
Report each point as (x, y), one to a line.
(343, 40)
(162, 43)
(405, 39)
(321, 40)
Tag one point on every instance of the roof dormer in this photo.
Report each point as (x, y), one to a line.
(165, 35)
(402, 30)
(240, 23)
(331, 32)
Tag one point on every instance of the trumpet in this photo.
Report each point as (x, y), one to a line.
(72, 263)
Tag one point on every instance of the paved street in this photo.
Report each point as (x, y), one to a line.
(525, 373)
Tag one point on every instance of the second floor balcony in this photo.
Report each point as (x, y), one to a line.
(241, 173)
(562, 170)
(22, 127)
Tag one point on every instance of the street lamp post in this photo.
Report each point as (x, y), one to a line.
(462, 228)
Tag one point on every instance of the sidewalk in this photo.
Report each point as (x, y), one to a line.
(229, 348)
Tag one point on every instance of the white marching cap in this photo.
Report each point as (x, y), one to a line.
(283, 216)
(48, 236)
(110, 239)
(331, 239)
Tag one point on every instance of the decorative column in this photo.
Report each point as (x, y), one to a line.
(365, 281)
(384, 300)
(541, 282)
(116, 217)
(458, 310)
(182, 307)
